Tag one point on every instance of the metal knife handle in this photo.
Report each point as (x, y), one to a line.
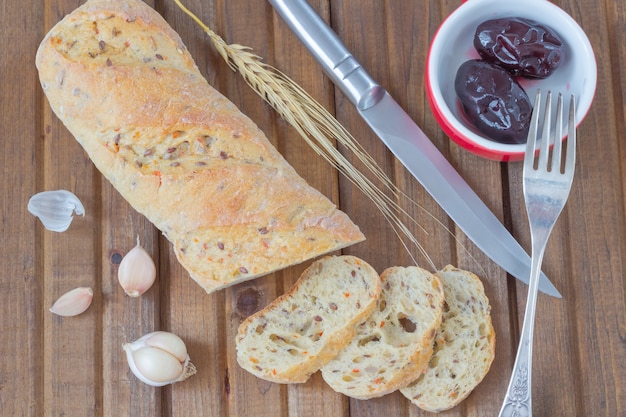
(324, 44)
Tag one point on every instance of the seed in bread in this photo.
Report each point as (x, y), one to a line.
(395, 343)
(464, 345)
(122, 82)
(302, 330)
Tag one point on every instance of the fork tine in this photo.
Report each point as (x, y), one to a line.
(558, 136)
(529, 156)
(545, 135)
(571, 137)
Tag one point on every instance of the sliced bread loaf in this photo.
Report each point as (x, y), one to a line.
(395, 342)
(294, 336)
(464, 345)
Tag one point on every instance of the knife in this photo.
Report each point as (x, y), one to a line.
(408, 142)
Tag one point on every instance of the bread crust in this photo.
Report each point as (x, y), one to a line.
(123, 83)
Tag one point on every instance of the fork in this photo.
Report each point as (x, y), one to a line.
(547, 184)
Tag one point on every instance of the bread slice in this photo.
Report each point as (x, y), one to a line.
(395, 343)
(121, 80)
(303, 329)
(464, 345)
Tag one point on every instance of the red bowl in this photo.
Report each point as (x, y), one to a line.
(453, 44)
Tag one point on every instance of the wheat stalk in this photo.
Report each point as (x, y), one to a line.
(319, 129)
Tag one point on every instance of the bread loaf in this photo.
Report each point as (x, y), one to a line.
(302, 330)
(122, 82)
(464, 345)
(396, 342)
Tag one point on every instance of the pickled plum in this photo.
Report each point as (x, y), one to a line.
(487, 88)
(523, 46)
(494, 101)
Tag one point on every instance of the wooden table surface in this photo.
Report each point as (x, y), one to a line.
(53, 366)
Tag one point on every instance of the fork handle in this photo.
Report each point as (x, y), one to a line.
(518, 399)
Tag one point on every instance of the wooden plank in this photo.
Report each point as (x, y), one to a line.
(407, 33)
(406, 62)
(126, 319)
(353, 22)
(616, 19)
(246, 24)
(596, 269)
(314, 397)
(203, 330)
(21, 292)
(71, 349)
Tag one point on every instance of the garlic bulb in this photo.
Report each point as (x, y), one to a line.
(55, 208)
(137, 271)
(73, 302)
(159, 358)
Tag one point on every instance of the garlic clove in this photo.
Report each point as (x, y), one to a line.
(159, 358)
(168, 342)
(73, 302)
(137, 271)
(55, 208)
(157, 365)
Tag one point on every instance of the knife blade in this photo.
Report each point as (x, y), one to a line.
(408, 142)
